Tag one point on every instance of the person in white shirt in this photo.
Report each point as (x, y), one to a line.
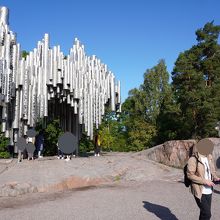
(201, 171)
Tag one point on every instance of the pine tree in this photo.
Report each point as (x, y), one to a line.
(196, 83)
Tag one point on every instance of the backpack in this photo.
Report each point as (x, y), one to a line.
(187, 181)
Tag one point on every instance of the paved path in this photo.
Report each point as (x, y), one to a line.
(134, 189)
(148, 200)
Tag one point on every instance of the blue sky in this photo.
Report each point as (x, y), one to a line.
(129, 36)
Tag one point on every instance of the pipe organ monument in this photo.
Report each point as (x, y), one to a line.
(48, 85)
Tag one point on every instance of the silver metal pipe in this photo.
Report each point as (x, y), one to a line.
(82, 84)
(4, 15)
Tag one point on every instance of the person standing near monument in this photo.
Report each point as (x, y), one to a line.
(21, 147)
(20, 156)
(201, 171)
(60, 154)
(31, 140)
(97, 144)
(40, 143)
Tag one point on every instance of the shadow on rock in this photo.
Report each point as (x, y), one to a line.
(160, 211)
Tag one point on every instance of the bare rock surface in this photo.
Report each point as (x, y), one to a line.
(114, 186)
(53, 175)
(216, 152)
(176, 152)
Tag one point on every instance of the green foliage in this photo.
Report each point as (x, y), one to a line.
(196, 82)
(107, 139)
(168, 120)
(3, 147)
(52, 133)
(112, 133)
(24, 54)
(4, 155)
(144, 106)
(155, 88)
(140, 134)
(85, 145)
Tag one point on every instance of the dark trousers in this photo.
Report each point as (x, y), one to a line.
(59, 153)
(97, 149)
(205, 206)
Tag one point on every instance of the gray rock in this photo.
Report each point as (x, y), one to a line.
(216, 151)
(176, 153)
(172, 153)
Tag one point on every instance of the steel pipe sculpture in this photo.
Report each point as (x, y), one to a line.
(46, 84)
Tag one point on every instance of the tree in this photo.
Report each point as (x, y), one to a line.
(168, 120)
(143, 108)
(52, 132)
(112, 132)
(196, 83)
(155, 88)
(85, 144)
(24, 54)
(140, 134)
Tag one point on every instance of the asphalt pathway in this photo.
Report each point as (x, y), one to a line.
(132, 201)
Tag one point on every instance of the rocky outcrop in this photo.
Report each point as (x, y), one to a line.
(172, 153)
(216, 152)
(176, 153)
